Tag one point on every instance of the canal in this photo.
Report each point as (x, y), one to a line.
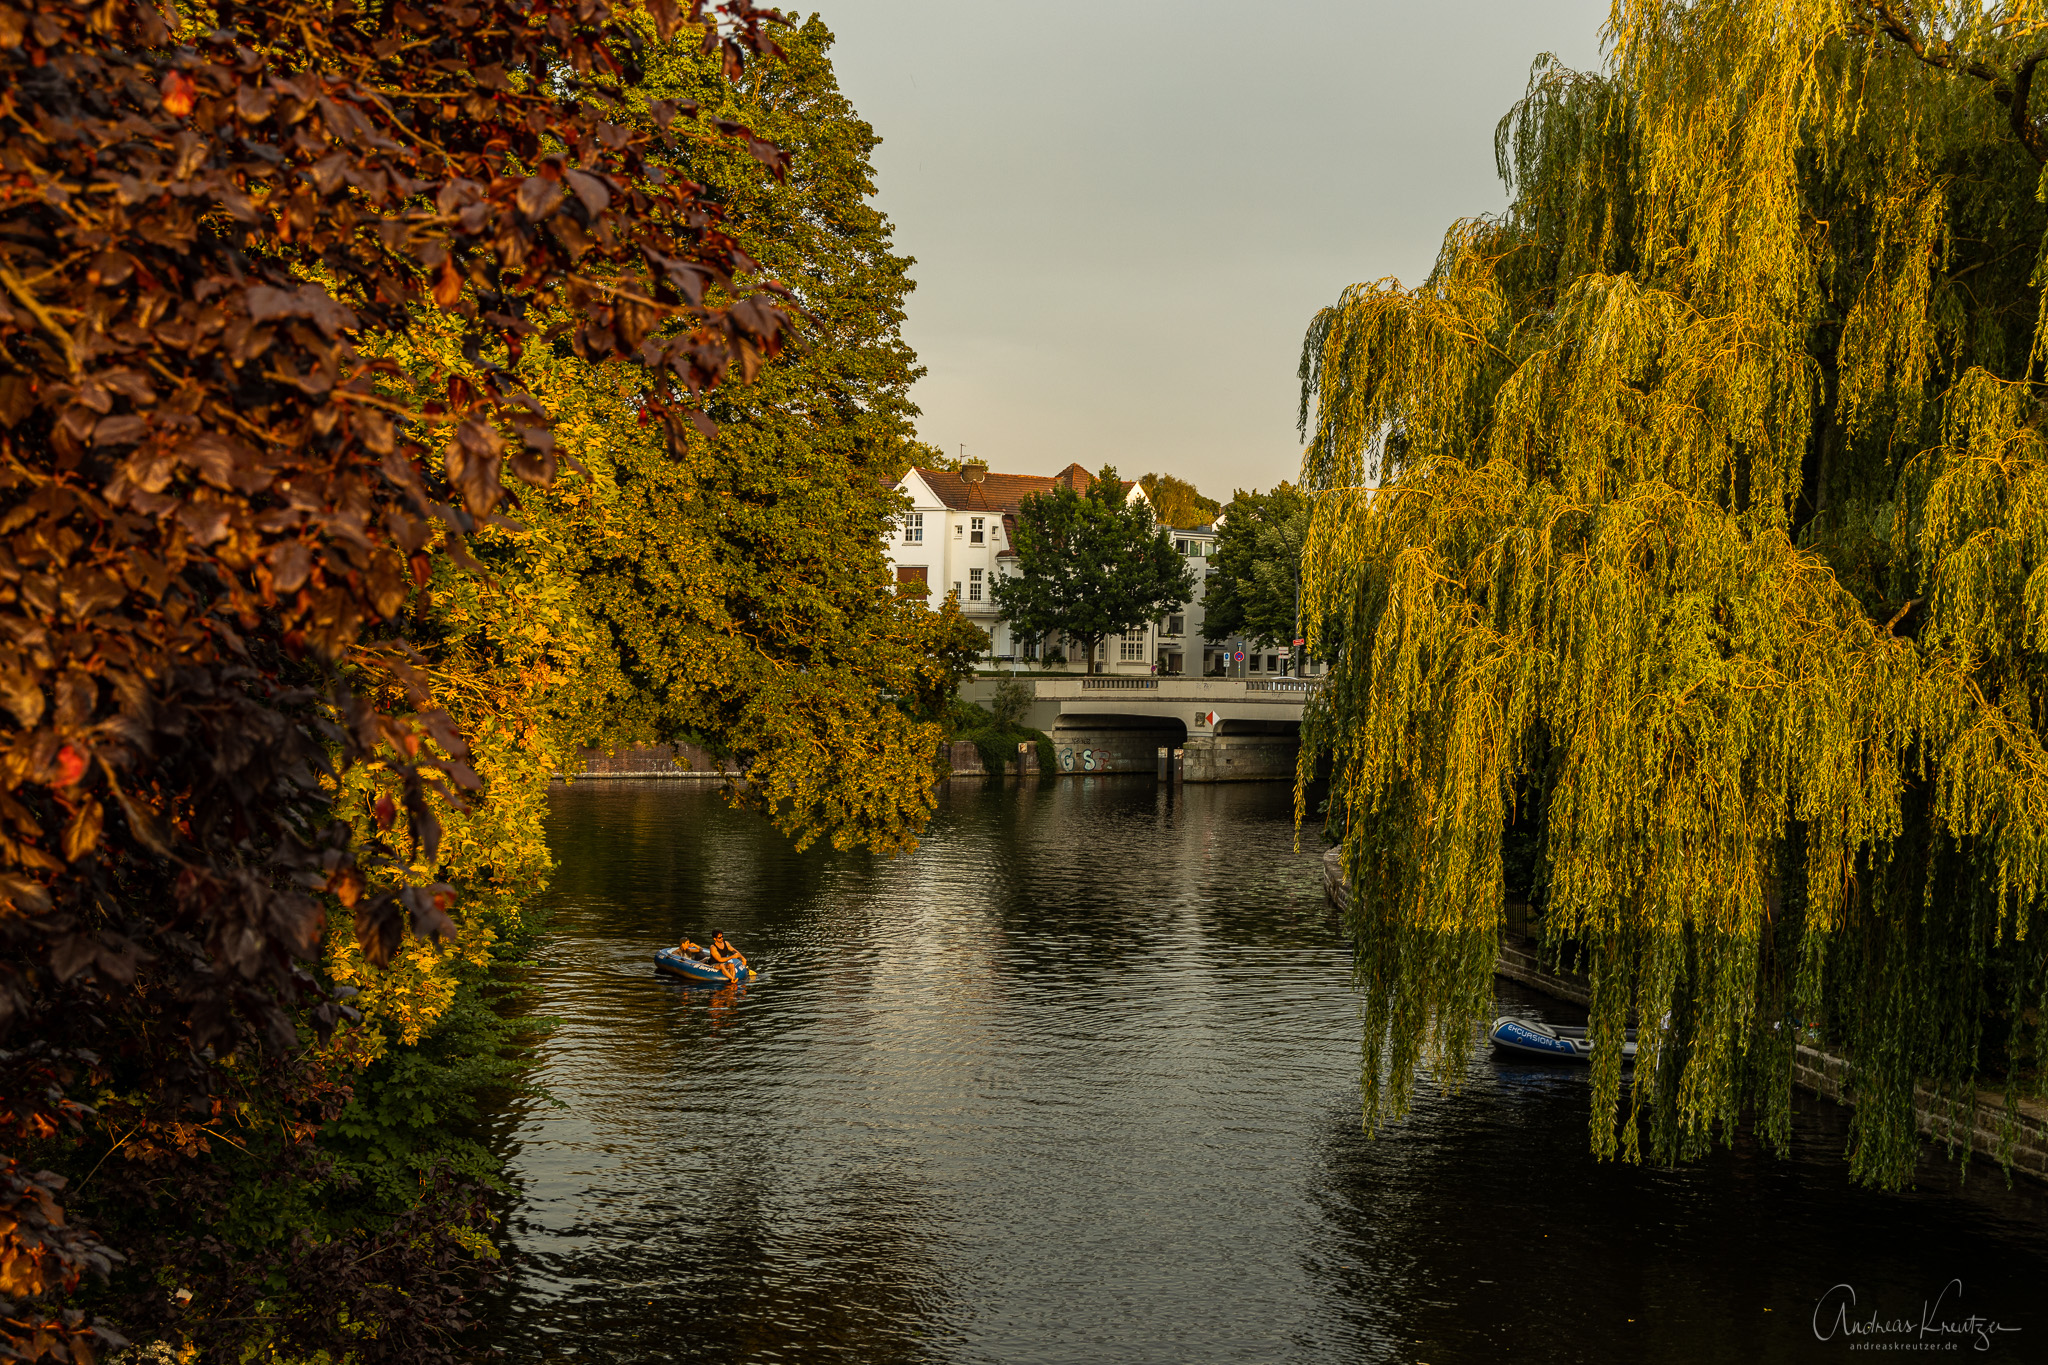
(1077, 1082)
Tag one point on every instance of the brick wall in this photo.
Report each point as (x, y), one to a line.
(646, 760)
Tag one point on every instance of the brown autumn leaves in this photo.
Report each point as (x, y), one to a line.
(214, 509)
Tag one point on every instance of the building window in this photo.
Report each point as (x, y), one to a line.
(956, 592)
(1130, 649)
(1184, 545)
(1176, 625)
(1252, 662)
(913, 529)
(910, 581)
(1029, 647)
(974, 536)
(974, 583)
(1272, 663)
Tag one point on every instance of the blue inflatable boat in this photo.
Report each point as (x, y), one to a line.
(700, 973)
(1535, 1039)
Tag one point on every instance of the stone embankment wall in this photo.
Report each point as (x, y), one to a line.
(1075, 754)
(645, 760)
(1820, 1072)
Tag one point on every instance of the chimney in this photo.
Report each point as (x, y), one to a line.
(974, 471)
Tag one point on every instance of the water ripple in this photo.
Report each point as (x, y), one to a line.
(1077, 1082)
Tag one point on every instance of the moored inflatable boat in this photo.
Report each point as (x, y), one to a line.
(1534, 1038)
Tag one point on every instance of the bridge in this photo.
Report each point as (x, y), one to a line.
(1229, 729)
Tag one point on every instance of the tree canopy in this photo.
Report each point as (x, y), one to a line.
(1176, 502)
(267, 290)
(1693, 515)
(1253, 588)
(737, 590)
(1090, 565)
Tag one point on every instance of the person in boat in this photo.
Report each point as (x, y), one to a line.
(723, 955)
(693, 951)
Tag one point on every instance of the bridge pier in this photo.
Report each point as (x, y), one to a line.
(1241, 758)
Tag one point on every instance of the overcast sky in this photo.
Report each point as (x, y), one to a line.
(1125, 212)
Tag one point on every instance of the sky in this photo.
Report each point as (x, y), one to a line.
(1125, 212)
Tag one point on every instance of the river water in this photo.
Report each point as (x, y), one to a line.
(1077, 1082)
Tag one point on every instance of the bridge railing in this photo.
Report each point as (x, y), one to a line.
(1098, 691)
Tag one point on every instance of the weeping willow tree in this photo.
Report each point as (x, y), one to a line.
(1689, 525)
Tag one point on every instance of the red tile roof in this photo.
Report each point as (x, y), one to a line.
(995, 493)
(1000, 492)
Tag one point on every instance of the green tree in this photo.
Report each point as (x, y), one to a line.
(736, 589)
(1714, 540)
(1254, 582)
(1090, 565)
(1176, 502)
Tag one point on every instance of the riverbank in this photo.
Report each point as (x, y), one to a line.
(1822, 1073)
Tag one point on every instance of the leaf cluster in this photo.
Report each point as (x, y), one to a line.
(1254, 583)
(736, 586)
(1178, 503)
(221, 494)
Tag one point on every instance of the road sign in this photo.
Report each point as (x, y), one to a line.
(1206, 718)
(1238, 657)
(1301, 642)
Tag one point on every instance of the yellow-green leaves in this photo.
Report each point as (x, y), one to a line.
(1693, 516)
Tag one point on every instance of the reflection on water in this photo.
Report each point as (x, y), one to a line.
(1077, 1082)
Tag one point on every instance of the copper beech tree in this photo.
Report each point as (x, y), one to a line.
(214, 509)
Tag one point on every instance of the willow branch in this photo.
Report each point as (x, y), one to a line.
(2012, 93)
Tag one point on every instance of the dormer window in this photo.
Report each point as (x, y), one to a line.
(975, 534)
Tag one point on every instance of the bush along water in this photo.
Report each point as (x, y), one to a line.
(996, 731)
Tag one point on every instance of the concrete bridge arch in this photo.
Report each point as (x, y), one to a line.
(1229, 729)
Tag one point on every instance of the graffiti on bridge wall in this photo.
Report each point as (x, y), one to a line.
(1073, 760)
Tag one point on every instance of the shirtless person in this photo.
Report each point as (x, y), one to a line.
(724, 955)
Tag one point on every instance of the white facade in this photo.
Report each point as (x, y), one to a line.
(956, 537)
(1198, 654)
(1182, 650)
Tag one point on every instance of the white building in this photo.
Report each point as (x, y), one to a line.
(1181, 646)
(1180, 635)
(956, 539)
